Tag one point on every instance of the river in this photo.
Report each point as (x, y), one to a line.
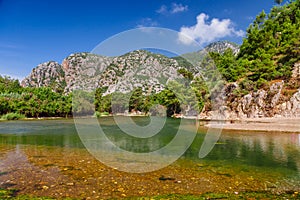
(48, 158)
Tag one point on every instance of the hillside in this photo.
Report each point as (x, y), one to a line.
(144, 69)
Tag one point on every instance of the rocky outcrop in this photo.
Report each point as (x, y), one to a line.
(270, 102)
(87, 71)
(222, 46)
(139, 68)
(290, 108)
(49, 74)
(83, 71)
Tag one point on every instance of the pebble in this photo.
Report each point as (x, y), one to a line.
(45, 187)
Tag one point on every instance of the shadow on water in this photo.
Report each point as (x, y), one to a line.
(60, 133)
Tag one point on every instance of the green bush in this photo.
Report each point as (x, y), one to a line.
(12, 116)
(100, 114)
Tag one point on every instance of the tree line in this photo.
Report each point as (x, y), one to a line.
(32, 102)
(44, 102)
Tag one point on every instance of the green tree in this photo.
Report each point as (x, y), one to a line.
(271, 47)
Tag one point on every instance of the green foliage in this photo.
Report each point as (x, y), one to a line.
(201, 91)
(182, 62)
(269, 51)
(185, 73)
(168, 99)
(17, 102)
(83, 103)
(99, 114)
(136, 101)
(12, 194)
(8, 84)
(227, 65)
(272, 45)
(12, 116)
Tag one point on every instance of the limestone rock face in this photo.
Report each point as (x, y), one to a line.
(49, 74)
(262, 103)
(290, 108)
(221, 46)
(88, 71)
(83, 70)
(142, 69)
(296, 70)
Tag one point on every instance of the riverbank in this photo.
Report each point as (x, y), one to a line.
(289, 125)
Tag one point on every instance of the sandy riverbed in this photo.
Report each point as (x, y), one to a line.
(261, 124)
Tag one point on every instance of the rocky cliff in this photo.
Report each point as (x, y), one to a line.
(88, 71)
(49, 74)
(276, 100)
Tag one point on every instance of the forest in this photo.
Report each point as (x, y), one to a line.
(268, 52)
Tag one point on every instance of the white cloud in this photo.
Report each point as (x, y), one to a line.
(146, 22)
(176, 8)
(173, 9)
(162, 10)
(205, 32)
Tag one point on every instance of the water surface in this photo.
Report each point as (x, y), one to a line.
(52, 152)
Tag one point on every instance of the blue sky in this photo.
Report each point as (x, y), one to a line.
(36, 31)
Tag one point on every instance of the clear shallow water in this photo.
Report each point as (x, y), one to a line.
(272, 154)
(262, 149)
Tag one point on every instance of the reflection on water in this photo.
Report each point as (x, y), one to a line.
(272, 150)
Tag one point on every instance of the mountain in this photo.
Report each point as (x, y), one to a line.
(218, 47)
(83, 70)
(222, 46)
(139, 68)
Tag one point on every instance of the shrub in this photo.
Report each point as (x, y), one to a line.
(12, 116)
(100, 114)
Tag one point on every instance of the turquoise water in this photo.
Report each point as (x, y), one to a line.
(274, 151)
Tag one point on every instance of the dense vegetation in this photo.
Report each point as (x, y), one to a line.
(17, 102)
(269, 51)
(174, 98)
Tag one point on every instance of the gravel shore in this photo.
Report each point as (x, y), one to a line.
(261, 124)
